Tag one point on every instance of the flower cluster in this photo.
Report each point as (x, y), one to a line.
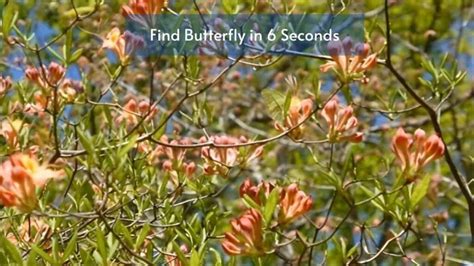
(123, 45)
(298, 112)
(224, 154)
(246, 237)
(20, 175)
(132, 110)
(174, 162)
(341, 123)
(293, 202)
(46, 77)
(415, 151)
(53, 76)
(347, 66)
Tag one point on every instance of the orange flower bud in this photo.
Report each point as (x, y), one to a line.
(293, 203)
(246, 237)
(298, 112)
(341, 123)
(415, 152)
(5, 84)
(55, 73)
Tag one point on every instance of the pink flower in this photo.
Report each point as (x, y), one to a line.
(38, 107)
(293, 203)
(298, 112)
(124, 45)
(46, 76)
(341, 123)
(132, 111)
(415, 152)
(20, 175)
(246, 237)
(219, 159)
(346, 66)
(5, 84)
(143, 7)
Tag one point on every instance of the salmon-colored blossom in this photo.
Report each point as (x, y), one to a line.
(143, 7)
(46, 77)
(20, 175)
(298, 112)
(5, 84)
(225, 154)
(350, 67)
(132, 110)
(38, 107)
(341, 123)
(246, 237)
(293, 204)
(256, 192)
(415, 151)
(10, 130)
(174, 156)
(124, 45)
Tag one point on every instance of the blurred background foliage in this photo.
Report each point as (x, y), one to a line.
(115, 203)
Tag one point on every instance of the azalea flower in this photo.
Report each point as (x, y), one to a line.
(298, 112)
(10, 130)
(143, 7)
(220, 159)
(350, 67)
(51, 75)
(133, 110)
(293, 204)
(38, 107)
(341, 123)
(143, 11)
(20, 175)
(415, 152)
(246, 237)
(5, 84)
(124, 45)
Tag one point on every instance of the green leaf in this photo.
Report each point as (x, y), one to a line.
(86, 142)
(10, 249)
(42, 254)
(275, 102)
(180, 254)
(71, 246)
(195, 259)
(142, 236)
(101, 245)
(75, 56)
(217, 257)
(67, 46)
(270, 206)
(250, 203)
(8, 16)
(419, 191)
